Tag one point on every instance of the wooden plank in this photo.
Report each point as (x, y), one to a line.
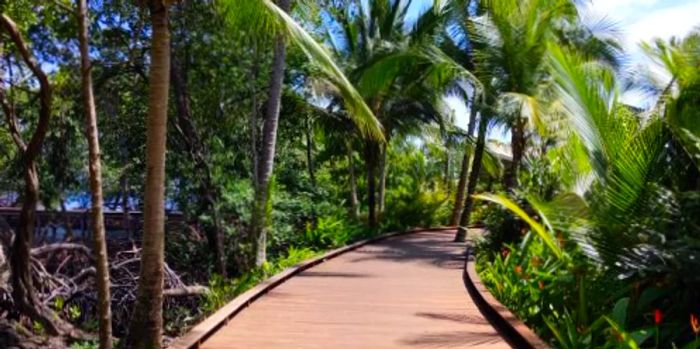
(403, 292)
(194, 337)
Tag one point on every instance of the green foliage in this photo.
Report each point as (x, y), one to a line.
(85, 345)
(222, 290)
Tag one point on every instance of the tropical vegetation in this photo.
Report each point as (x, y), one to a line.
(214, 143)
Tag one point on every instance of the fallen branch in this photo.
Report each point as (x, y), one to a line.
(65, 246)
(195, 290)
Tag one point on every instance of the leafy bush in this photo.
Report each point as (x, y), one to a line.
(222, 290)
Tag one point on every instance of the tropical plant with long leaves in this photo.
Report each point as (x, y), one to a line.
(264, 17)
(398, 68)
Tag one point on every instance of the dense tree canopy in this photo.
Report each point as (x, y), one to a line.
(220, 140)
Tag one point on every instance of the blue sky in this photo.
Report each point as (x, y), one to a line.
(637, 20)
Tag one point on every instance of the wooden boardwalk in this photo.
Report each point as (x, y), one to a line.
(404, 292)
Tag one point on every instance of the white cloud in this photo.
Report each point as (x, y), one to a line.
(665, 23)
(620, 9)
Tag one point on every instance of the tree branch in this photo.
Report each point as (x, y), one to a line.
(34, 147)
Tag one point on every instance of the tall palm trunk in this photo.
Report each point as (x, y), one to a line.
(473, 179)
(382, 178)
(464, 170)
(95, 168)
(447, 181)
(146, 324)
(371, 155)
(517, 141)
(267, 156)
(20, 258)
(309, 152)
(354, 203)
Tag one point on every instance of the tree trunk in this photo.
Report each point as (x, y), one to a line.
(209, 194)
(146, 325)
(461, 188)
(267, 156)
(354, 203)
(447, 181)
(464, 170)
(309, 152)
(254, 116)
(371, 152)
(95, 168)
(68, 226)
(126, 221)
(382, 178)
(473, 179)
(22, 286)
(517, 141)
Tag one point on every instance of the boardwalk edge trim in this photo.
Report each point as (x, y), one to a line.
(509, 326)
(205, 329)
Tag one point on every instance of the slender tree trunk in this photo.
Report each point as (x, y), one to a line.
(126, 221)
(254, 116)
(371, 152)
(382, 178)
(354, 203)
(21, 279)
(447, 180)
(464, 170)
(517, 141)
(95, 168)
(473, 179)
(66, 221)
(461, 188)
(267, 156)
(309, 152)
(146, 325)
(208, 192)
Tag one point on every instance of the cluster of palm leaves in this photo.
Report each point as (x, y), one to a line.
(541, 69)
(629, 187)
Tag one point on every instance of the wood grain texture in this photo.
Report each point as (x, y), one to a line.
(403, 292)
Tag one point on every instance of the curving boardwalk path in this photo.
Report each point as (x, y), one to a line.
(403, 292)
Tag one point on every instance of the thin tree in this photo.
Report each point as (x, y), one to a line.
(146, 325)
(95, 168)
(473, 179)
(464, 168)
(23, 293)
(269, 140)
(262, 18)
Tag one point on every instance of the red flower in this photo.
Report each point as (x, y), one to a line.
(518, 269)
(658, 316)
(505, 252)
(695, 324)
(541, 284)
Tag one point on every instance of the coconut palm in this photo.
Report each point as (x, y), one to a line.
(146, 325)
(621, 161)
(263, 17)
(399, 70)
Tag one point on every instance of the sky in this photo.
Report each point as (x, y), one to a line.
(636, 20)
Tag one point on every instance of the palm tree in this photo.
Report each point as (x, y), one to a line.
(263, 17)
(473, 177)
(511, 50)
(95, 165)
(146, 325)
(400, 72)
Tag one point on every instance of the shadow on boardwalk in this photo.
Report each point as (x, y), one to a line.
(428, 247)
(403, 292)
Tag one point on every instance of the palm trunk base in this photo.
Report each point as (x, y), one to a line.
(461, 235)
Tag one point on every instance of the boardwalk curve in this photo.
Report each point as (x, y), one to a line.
(402, 292)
